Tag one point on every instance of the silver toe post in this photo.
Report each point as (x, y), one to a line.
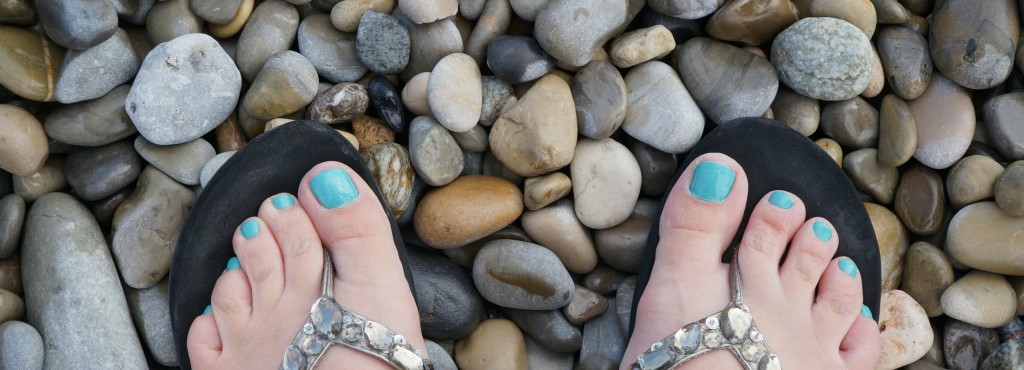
(329, 323)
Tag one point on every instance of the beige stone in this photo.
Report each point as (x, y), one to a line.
(556, 228)
(428, 11)
(877, 81)
(926, 274)
(276, 122)
(585, 305)
(31, 63)
(892, 244)
(639, 46)
(467, 209)
(12, 307)
(905, 331)
(605, 182)
(23, 143)
(346, 15)
(455, 92)
(233, 27)
(860, 13)
(414, 95)
(972, 180)
(538, 192)
(495, 344)
(985, 237)
(982, 299)
(832, 148)
(538, 134)
(1018, 288)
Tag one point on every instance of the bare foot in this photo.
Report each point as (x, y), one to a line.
(827, 330)
(264, 296)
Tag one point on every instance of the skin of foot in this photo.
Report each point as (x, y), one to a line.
(807, 305)
(264, 295)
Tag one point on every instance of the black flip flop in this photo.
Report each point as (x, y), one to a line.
(273, 163)
(776, 157)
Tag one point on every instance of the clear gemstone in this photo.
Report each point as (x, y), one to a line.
(711, 322)
(379, 337)
(326, 318)
(756, 336)
(293, 359)
(352, 333)
(406, 359)
(400, 340)
(313, 345)
(307, 329)
(735, 324)
(656, 359)
(656, 346)
(770, 362)
(713, 339)
(751, 351)
(687, 339)
(346, 319)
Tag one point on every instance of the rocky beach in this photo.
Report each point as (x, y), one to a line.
(523, 146)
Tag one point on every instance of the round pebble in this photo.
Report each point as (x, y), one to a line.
(971, 180)
(469, 208)
(725, 81)
(182, 162)
(823, 58)
(556, 228)
(333, 53)
(455, 92)
(382, 43)
(605, 182)
(286, 84)
(92, 123)
(944, 116)
(926, 274)
(522, 275)
(905, 60)
(98, 172)
(660, 111)
(25, 144)
(1004, 128)
(21, 347)
(435, 155)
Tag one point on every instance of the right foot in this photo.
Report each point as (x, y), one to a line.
(830, 329)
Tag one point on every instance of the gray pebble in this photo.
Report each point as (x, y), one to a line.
(98, 172)
(518, 59)
(823, 58)
(170, 19)
(572, 30)
(905, 60)
(149, 310)
(216, 11)
(726, 82)
(660, 111)
(522, 275)
(79, 24)
(474, 140)
(435, 154)
(497, 15)
(332, 52)
(382, 43)
(604, 342)
(92, 73)
(211, 167)
(797, 111)
(685, 9)
(657, 168)
(549, 328)
(92, 123)
(12, 218)
(439, 357)
(497, 94)
(428, 43)
(527, 9)
(623, 303)
(1009, 355)
(182, 162)
(47, 179)
(540, 358)
(1005, 127)
(471, 9)
(271, 29)
(449, 305)
(21, 347)
(600, 96)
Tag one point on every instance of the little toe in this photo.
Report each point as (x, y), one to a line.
(809, 254)
(298, 242)
(839, 301)
(861, 347)
(260, 259)
(773, 222)
(231, 300)
(204, 344)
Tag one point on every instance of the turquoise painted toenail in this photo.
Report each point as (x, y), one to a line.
(233, 264)
(333, 188)
(283, 201)
(866, 312)
(712, 181)
(250, 228)
(207, 310)
(848, 266)
(822, 231)
(781, 199)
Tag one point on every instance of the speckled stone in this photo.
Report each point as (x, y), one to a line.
(521, 275)
(897, 132)
(572, 30)
(286, 84)
(926, 274)
(660, 111)
(270, 30)
(98, 172)
(823, 58)
(332, 52)
(556, 228)
(435, 155)
(892, 244)
(905, 331)
(974, 43)
(905, 60)
(449, 305)
(21, 347)
(382, 43)
(797, 111)
(1009, 189)
(1005, 129)
(92, 123)
(549, 328)
(391, 168)
(921, 200)
(725, 81)
(340, 103)
(493, 23)
(182, 162)
(92, 73)
(852, 123)
(752, 22)
(170, 19)
(871, 177)
(965, 346)
(77, 24)
(606, 182)
(1009, 355)
(945, 120)
(971, 180)
(468, 209)
(497, 94)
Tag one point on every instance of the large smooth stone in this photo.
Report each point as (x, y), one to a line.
(496, 344)
(435, 155)
(972, 179)
(906, 333)
(599, 93)
(286, 84)
(605, 182)
(799, 112)
(752, 22)
(1005, 128)
(469, 208)
(146, 226)
(31, 63)
(537, 135)
(149, 309)
(92, 73)
(921, 200)
(852, 123)
(892, 244)
(572, 30)
(382, 43)
(182, 162)
(170, 19)
(686, 9)
(391, 168)
(549, 328)
(271, 29)
(25, 145)
(171, 77)
(518, 59)
(92, 123)
(926, 274)
(974, 43)
(823, 58)
(556, 227)
(522, 275)
(897, 132)
(660, 111)
(604, 341)
(48, 179)
(945, 122)
(21, 347)
(980, 298)
(455, 92)
(871, 177)
(98, 172)
(983, 236)
(906, 61)
(965, 346)
(727, 82)
(77, 24)
(12, 218)
(332, 52)
(98, 329)
(448, 303)
(428, 43)
(496, 15)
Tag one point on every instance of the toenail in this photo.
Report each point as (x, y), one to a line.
(207, 309)
(781, 199)
(283, 201)
(822, 231)
(333, 188)
(250, 228)
(712, 181)
(233, 264)
(864, 310)
(848, 266)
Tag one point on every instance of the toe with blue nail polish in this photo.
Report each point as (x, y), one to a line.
(333, 188)
(712, 181)
(822, 231)
(250, 228)
(848, 266)
(233, 264)
(781, 199)
(283, 201)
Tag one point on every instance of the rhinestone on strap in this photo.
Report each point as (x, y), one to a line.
(330, 323)
(732, 329)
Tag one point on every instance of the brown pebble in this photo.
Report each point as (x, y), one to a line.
(467, 209)
(369, 131)
(495, 344)
(24, 146)
(229, 135)
(584, 305)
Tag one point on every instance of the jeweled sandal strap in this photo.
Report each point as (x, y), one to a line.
(330, 323)
(731, 329)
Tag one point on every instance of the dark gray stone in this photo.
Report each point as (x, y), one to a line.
(1005, 127)
(974, 43)
(906, 61)
(92, 123)
(78, 24)
(332, 52)
(98, 172)
(600, 96)
(604, 342)
(149, 310)
(382, 43)
(549, 328)
(449, 305)
(12, 218)
(428, 43)
(518, 59)
(92, 73)
(726, 82)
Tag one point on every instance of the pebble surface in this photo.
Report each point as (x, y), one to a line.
(823, 58)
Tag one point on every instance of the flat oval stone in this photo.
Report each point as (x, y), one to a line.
(982, 236)
(21, 347)
(382, 43)
(170, 19)
(556, 228)
(391, 168)
(414, 95)
(494, 344)
(537, 135)
(572, 30)
(726, 81)
(12, 218)
(892, 244)
(752, 22)
(98, 172)
(182, 162)
(148, 308)
(921, 200)
(78, 79)
(538, 192)
(449, 305)
(906, 333)
(897, 132)
(340, 103)
(171, 76)
(387, 102)
(215, 11)
(603, 341)
(270, 30)
(965, 346)
(455, 92)
(469, 208)
(980, 298)
(686, 9)
(146, 226)
(48, 179)
(797, 111)
(641, 45)
(435, 155)
(871, 177)
(518, 59)
(493, 22)
(599, 93)
(622, 246)
(974, 43)
(58, 270)
(823, 58)
(852, 123)
(77, 24)
(92, 123)
(971, 180)
(522, 275)
(31, 63)
(945, 123)
(346, 14)
(25, 143)
(286, 84)
(605, 182)
(926, 274)
(1005, 129)
(1008, 355)
(1009, 189)
(660, 111)
(905, 60)
(332, 52)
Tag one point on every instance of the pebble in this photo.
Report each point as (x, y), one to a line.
(469, 208)
(496, 344)
(12, 217)
(527, 9)
(493, 22)
(823, 58)
(537, 135)
(657, 168)
(622, 246)
(436, 156)
(439, 356)
(982, 236)
(871, 177)
(229, 135)
(965, 346)
(269, 30)
(600, 95)
(584, 305)
(852, 123)
(149, 311)
(449, 305)
(971, 180)
(57, 270)
(414, 95)
(980, 298)
(515, 274)
(25, 146)
(926, 274)
(556, 228)
(346, 14)
(92, 73)
(18, 12)
(182, 162)
(475, 140)
(974, 43)
(726, 81)
(892, 244)
(464, 256)
(340, 103)
(945, 121)
(21, 347)
(1005, 130)
(11, 306)
(455, 92)
(1009, 189)
(1009, 355)
(539, 358)
(897, 132)
(921, 200)
(428, 11)
(386, 101)
(233, 27)
(31, 63)
(104, 208)
(146, 226)
(906, 61)
(370, 131)
(92, 123)
(538, 192)
(604, 341)
(905, 330)
(170, 19)
(686, 9)
(660, 111)
(428, 43)
(605, 181)
(752, 22)
(382, 43)
(333, 53)
(860, 13)
(799, 112)
(286, 84)
(211, 167)
(642, 45)
(77, 25)
(549, 328)
(572, 30)
(890, 12)
(391, 168)
(171, 76)
(49, 178)
(98, 172)
(518, 59)
(215, 11)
